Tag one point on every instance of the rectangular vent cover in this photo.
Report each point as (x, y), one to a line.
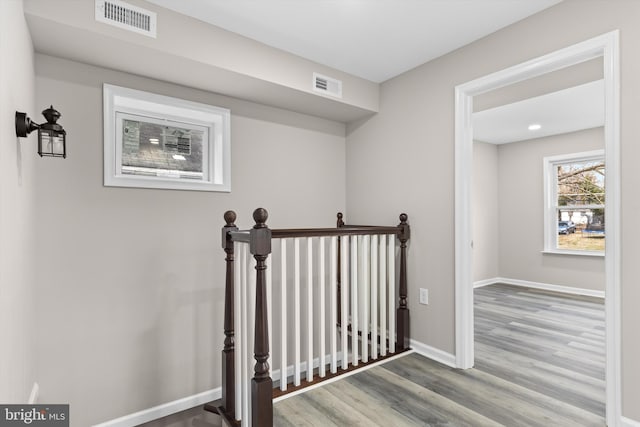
(327, 85)
(126, 16)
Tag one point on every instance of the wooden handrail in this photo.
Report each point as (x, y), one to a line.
(244, 236)
(239, 236)
(342, 231)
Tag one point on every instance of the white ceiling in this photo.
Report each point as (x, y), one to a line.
(372, 39)
(569, 110)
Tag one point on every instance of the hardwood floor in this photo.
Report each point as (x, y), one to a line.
(554, 342)
(539, 362)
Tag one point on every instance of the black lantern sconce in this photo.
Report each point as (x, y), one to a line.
(52, 138)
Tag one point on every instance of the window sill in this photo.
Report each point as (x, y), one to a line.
(578, 253)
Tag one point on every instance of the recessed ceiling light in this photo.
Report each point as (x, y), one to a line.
(178, 157)
(154, 141)
(534, 126)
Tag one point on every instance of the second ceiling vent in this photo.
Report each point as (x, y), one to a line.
(126, 16)
(327, 85)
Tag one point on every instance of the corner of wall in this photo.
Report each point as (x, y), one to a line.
(17, 313)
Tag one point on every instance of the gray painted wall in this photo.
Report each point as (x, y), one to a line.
(17, 208)
(521, 214)
(485, 208)
(403, 159)
(130, 281)
(121, 310)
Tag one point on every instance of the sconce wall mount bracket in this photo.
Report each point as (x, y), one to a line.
(24, 125)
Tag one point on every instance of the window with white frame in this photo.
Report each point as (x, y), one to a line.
(156, 141)
(574, 203)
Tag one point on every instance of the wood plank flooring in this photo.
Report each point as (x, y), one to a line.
(539, 362)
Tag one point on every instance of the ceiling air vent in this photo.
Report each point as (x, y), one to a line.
(327, 85)
(126, 16)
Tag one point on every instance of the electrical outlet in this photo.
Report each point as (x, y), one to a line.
(424, 296)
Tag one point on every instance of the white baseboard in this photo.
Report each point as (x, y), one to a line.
(193, 401)
(486, 282)
(538, 285)
(163, 410)
(433, 353)
(628, 422)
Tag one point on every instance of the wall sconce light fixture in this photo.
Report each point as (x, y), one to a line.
(52, 138)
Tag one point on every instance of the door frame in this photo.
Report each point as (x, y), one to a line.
(607, 47)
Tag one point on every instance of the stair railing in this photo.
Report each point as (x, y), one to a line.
(350, 291)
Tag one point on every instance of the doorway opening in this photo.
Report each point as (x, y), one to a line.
(607, 48)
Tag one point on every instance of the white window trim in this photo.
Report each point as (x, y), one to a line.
(217, 152)
(551, 197)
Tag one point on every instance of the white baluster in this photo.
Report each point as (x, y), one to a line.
(244, 383)
(354, 301)
(296, 310)
(333, 312)
(344, 299)
(283, 314)
(374, 297)
(323, 296)
(251, 323)
(238, 313)
(392, 293)
(382, 259)
(309, 309)
(364, 260)
(269, 265)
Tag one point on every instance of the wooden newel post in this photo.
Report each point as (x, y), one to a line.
(403, 312)
(228, 402)
(261, 384)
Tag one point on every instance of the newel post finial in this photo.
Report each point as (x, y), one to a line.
(230, 218)
(260, 216)
(340, 222)
(404, 231)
